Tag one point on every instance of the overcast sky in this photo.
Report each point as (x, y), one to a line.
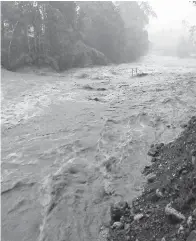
(171, 14)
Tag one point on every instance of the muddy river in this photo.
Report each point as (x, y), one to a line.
(75, 142)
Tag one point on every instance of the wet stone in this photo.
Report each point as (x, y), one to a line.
(138, 216)
(189, 221)
(173, 215)
(118, 210)
(151, 178)
(154, 159)
(194, 213)
(117, 225)
(152, 152)
(127, 226)
(159, 194)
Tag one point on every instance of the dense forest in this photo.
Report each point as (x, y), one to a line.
(72, 34)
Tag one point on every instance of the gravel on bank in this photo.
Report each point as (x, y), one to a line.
(166, 210)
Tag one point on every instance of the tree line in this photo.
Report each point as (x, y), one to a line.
(72, 34)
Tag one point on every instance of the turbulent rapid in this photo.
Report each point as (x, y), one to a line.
(75, 142)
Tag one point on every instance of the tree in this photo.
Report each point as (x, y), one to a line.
(102, 27)
(135, 16)
(66, 34)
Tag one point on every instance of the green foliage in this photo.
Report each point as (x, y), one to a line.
(72, 34)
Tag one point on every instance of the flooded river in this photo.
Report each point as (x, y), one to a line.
(75, 142)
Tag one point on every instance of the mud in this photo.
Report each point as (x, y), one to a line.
(84, 149)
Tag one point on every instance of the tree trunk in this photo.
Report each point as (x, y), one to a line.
(10, 44)
(27, 37)
(2, 31)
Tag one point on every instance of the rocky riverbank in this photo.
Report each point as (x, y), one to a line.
(166, 210)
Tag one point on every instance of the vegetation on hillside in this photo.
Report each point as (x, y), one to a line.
(72, 34)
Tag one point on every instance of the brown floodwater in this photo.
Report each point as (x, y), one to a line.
(75, 142)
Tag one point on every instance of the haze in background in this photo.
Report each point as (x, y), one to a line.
(173, 21)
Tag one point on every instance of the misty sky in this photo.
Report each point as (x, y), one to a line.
(171, 14)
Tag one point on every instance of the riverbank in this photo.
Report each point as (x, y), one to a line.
(166, 210)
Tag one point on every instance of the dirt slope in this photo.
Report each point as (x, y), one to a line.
(173, 182)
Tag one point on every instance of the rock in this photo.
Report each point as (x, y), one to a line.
(141, 74)
(122, 205)
(192, 236)
(159, 146)
(151, 178)
(147, 166)
(127, 227)
(101, 89)
(184, 171)
(122, 219)
(138, 216)
(173, 214)
(154, 159)
(194, 161)
(153, 152)
(189, 221)
(147, 169)
(117, 225)
(183, 125)
(194, 213)
(193, 152)
(87, 87)
(159, 194)
(181, 229)
(163, 239)
(127, 238)
(118, 210)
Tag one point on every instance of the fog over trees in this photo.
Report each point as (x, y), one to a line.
(73, 34)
